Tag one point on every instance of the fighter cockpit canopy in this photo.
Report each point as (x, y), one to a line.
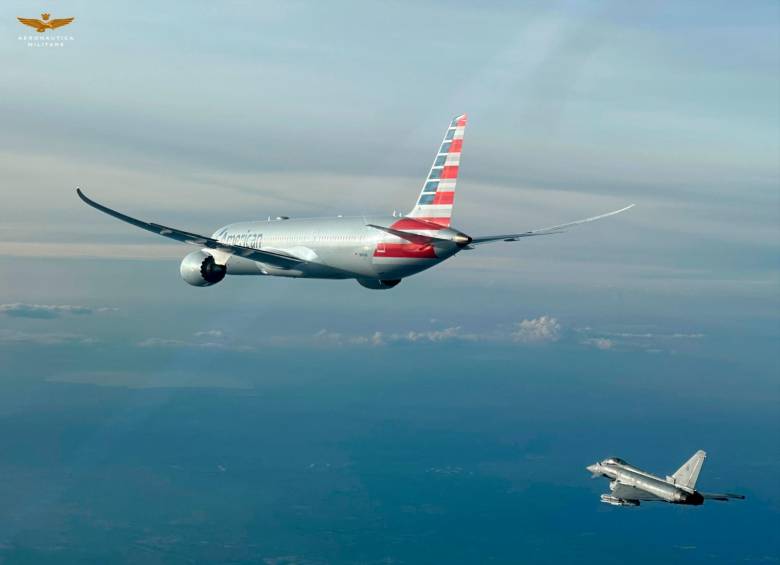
(614, 461)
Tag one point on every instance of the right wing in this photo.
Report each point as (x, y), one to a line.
(544, 231)
(270, 257)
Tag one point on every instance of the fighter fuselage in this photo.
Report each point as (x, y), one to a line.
(630, 477)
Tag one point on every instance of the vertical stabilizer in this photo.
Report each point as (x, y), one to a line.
(438, 192)
(687, 475)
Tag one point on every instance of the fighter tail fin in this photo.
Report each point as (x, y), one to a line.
(438, 192)
(687, 475)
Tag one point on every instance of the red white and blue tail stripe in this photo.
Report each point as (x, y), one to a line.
(438, 192)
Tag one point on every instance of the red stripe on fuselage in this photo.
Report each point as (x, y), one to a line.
(407, 250)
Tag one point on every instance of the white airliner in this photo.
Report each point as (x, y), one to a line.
(376, 251)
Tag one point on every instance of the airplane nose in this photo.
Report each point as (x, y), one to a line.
(593, 468)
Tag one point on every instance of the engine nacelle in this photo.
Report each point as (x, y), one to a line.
(377, 284)
(200, 269)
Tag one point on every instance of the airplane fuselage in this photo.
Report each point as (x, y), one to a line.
(339, 248)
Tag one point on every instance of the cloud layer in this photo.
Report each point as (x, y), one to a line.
(48, 311)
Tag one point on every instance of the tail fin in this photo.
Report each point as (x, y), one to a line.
(438, 192)
(687, 475)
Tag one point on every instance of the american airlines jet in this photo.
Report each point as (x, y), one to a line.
(377, 252)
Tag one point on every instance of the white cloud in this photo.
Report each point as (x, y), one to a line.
(48, 311)
(539, 330)
(435, 336)
(161, 342)
(542, 329)
(647, 340)
(208, 344)
(599, 343)
(377, 339)
(47, 338)
(209, 333)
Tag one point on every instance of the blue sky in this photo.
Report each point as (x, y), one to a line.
(200, 114)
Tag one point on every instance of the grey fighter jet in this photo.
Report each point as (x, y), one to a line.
(631, 485)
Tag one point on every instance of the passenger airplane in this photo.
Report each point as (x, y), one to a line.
(378, 252)
(631, 485)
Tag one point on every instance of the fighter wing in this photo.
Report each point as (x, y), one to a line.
(631, 493)
(60, 22)
(544, 231)
(270, 257)
(722, 496)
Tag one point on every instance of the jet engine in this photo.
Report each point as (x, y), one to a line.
(200, 269)
(377, 284)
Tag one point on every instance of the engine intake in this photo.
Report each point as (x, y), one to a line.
(200, 269)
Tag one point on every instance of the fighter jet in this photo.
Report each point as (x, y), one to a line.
(376, 251)
(631, 485)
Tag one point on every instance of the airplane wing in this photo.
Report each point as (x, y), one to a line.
(722, 496)
(631, 493)
(544, 231)
(270, 257)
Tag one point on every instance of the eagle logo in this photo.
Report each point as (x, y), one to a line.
(45, 23)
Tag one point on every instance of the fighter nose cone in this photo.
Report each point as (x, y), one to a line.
(593, 468)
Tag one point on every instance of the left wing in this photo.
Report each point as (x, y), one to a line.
(544, 231)
(275, 258)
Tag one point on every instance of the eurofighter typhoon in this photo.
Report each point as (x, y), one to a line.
(631, 485)
(377, 252)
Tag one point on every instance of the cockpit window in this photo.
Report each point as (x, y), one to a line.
(615, 461)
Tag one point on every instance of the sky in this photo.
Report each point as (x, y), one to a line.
(451, 418)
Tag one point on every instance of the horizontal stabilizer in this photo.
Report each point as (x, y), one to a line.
(408, 236)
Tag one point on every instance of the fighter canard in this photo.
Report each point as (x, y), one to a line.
(376, 251)
(631, 485)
